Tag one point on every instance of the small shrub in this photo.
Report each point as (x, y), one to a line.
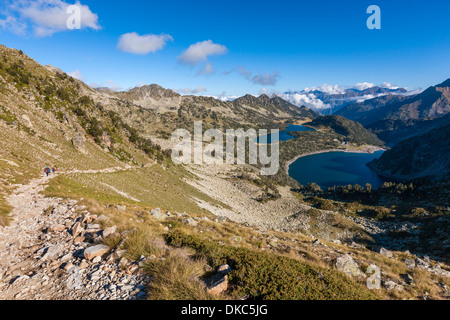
(177, 278)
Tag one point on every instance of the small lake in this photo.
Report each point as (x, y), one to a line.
(336, 168)
(284, 135)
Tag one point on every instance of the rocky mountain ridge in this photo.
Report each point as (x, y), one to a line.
(388, 114)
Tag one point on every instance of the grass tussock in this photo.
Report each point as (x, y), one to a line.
(177, 277)
(143, 242)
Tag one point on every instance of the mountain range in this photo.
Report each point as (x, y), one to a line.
(395, 117)
(327, 100)
(167, 110)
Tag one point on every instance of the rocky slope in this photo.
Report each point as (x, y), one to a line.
(45, 256)
(426, 155)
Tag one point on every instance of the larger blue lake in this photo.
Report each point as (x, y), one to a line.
(284, 135)
(336, 168)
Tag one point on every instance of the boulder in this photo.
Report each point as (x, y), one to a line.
(217, 284)
(123, 262)
(92, 227)
(53, 252)
(408, 279)
(349, 266)
(121, 207)
(410, 264)
(157, 214)
(191, 222)
(66, 258)
(77, 229)
(421, 264)
(109, 231)
(84, 264)
(57, 228)
(385, 252)
(389, 285)
(224, 269)
(78, 143)
(95, 251)
(26, 121)
(78, 239)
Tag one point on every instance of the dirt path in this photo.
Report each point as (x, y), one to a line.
(42, 252)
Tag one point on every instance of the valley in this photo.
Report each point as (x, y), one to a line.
(161, 227)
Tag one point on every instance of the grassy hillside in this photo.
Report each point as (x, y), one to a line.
(43, 112)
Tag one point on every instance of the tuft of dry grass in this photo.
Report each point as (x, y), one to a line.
(143, 242)
(178, 278)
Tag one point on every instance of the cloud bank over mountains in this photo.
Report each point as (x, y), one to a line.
(328, 98)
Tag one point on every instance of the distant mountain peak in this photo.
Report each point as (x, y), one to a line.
(153, 91)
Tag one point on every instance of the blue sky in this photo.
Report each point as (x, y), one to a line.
(253, 45)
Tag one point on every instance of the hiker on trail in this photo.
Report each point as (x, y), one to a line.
(47, 170)
(53, 170)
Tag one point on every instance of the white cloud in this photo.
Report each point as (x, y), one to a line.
(266, 79)
(224, 97)
(200, 51)
(45, 17)
(308, 100)
(363, 85)
(14, 25)
(244, 72)
(76, 74)
(199, 89)
(388, 85)
(368, 97)
(137, 44)
(207, 70)
(327, 88)
(412, 92)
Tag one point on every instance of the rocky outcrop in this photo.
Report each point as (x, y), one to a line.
(78, 143)
(350, 267)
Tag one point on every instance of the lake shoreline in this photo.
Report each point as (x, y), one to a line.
(367, 149)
